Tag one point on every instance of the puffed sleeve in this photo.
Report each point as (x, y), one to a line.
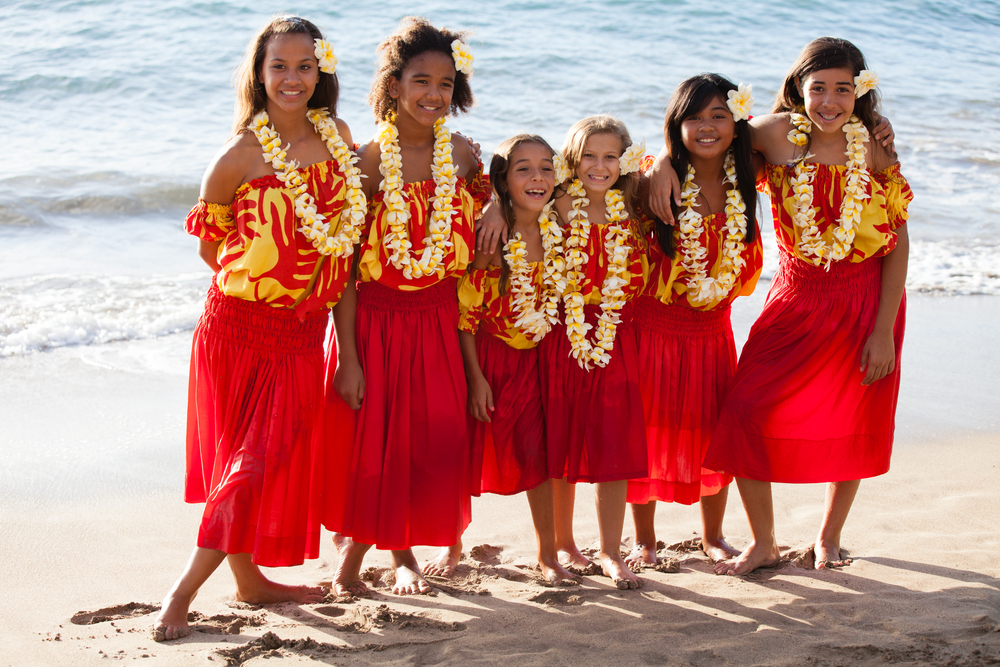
(471, 292)
(480, 189)
(898, 195)
(209, 222)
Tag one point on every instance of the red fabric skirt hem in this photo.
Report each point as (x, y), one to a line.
(508, 453)
(687, 358)
(797, 411)
(399, 469)
(254, 422)
(594, 423)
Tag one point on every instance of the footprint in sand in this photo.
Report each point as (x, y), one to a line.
(486, 554)
(130, 610)
(555, 597)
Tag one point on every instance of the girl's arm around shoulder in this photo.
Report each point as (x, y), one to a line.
(879, 157)
(769, 137)
(369, 159)
(484, 259)
(465, 160)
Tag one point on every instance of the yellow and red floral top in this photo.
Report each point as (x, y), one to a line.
(263, 255)
(470, 198)
(596, 268)
(881, 215)
(668, 280)
(483, 308)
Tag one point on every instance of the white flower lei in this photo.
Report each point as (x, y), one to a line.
(702, 288)
(314, 224)
(616, 245)
(811, 246)
(396, 240)
(533, 322)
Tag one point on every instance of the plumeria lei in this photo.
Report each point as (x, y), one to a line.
(616, 245)
(396, 241)
(531, 320)
(811, 246)
(702, 288)
(313, 223)
(631, 159)
(561, 169)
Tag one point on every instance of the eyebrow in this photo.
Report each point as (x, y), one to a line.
(839, 83)
(426, 75)
(524, 159)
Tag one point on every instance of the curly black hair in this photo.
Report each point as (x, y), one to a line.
(414, 36)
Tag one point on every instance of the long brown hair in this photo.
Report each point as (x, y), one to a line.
(499, 166)
(576, 141)
(414, 37)
(691, 96)
(828, 53)
(251, 98)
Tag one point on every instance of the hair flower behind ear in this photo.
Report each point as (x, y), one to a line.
(740, 102)
(631, 160)
(865, 81)
(463, 57)
(563, 173)
(324, 54)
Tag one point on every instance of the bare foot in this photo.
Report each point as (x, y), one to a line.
(444, 564)
(828, 556)
(556, 574)
(347, 577)
(615, 567)
(577, 563)
(753, 558)
(171, 622)
(718, 550)
(409, 581)
(265, 591)
(642, 555)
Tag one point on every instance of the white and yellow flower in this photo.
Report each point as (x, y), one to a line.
(631, 159)
(324, 54)
(463, 57)
(740, 102)
(314, 225)
(533, 321)
(562, 170)
(865, 81)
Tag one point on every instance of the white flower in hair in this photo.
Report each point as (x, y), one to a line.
(324, 54)
(463, 57)
(631, 160)
(865, 81)
(740, 102)
(563, 173)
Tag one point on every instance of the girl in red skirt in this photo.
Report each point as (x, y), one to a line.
(590, 391)
(509, 302)
(278, 226)
(681, 323)
(814, 396)
(399, 471)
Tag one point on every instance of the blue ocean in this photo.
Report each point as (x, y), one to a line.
(113, 109)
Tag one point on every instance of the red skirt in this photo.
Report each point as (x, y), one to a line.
(255, 412)
(797, 411)
(594, 426)
(687, 358)
(508, 453)
(399, 471)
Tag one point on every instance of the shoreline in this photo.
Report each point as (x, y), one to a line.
(93, 520)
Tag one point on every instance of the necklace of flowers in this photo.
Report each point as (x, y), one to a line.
(531, 320)
(702, 288)
(314, 224)
(396, 240)
(616, 245)
(811, 246)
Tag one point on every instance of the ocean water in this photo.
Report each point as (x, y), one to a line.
(113, 109)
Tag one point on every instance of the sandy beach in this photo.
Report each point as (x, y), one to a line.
(93, 531)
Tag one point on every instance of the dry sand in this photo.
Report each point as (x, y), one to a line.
(93, 532)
